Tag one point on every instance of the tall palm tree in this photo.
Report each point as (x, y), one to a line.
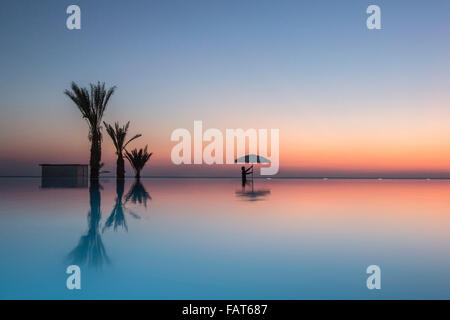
(118, 135)
(138, 159)
(92, 104)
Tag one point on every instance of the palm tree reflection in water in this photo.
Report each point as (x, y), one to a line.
(90, 249)
(137, 194)
(117, 217)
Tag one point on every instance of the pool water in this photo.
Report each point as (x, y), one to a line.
(214, 239)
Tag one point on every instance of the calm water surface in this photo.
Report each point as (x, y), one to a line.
(209, 239)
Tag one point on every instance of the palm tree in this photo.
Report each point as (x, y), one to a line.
(92, 104)
(118, 135)
(138, 159)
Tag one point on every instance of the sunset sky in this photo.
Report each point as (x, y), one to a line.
(348, 101)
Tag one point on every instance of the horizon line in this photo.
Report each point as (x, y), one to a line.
(259, 177)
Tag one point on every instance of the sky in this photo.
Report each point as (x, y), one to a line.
(348, 101)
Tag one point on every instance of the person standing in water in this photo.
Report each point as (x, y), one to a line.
(244, 173)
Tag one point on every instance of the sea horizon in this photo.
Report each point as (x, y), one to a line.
(257, 178)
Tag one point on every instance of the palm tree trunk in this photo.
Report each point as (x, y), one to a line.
(96, 155)
(138, 174)
(120, 171)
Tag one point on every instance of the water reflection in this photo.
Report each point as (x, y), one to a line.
(90, 249)
(248, 193)
(301, 229)
(138, 194)
(69, 182)
(117, 216)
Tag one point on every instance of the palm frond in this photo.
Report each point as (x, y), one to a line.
(118, 135)
(91, 103)
(138, 158)
(135, 137)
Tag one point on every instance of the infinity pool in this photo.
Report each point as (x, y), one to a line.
(212, 239)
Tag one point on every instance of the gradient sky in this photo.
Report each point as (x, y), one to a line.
(347, 100)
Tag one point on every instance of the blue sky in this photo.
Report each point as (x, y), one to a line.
(301, 66)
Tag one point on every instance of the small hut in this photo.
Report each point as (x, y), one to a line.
(64, 175)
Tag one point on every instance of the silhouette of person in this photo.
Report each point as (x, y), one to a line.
(244, 173)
